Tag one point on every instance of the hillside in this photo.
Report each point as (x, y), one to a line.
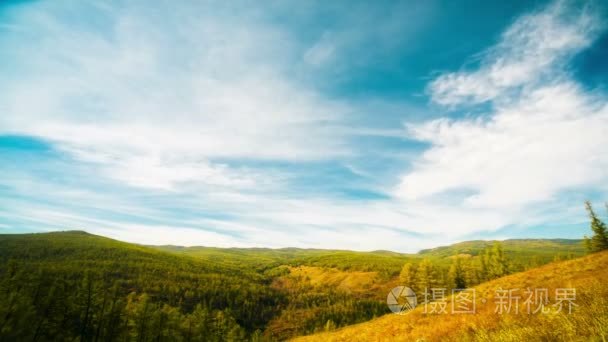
(75, 285)
(588, 320)
(78, 285)
(543, 249)
(523, 253)
(386, 263)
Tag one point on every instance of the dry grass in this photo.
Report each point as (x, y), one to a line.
(588, 321)
(347, 281)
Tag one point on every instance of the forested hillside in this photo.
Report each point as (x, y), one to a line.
(74, 285)
(77, 286)
(63, 286)
(585, 320)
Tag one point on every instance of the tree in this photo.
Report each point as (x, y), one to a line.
(599, 240)
(426, 276)
(498, 265)
(587, 244)
(482, 267)
(87, 303)
(407, 276)
(493, 263)
(456, 275)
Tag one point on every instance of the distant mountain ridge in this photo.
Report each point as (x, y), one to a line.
(512, 245)
(464, 245)
(469, 245)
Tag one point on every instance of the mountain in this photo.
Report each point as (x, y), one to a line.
(522, 254)
(514, 247)
(588, 320)
(75, 285)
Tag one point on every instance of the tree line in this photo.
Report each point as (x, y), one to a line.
(469, 270)
(464, 270)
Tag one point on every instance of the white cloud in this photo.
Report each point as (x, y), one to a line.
(140, 96)
(547, 138)
(550, 140)
(534, 48)
(321, 52)
(319, 224)
(157, 107)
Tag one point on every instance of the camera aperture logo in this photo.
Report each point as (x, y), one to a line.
(401, 299)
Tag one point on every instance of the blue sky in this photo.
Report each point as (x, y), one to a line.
(350, 124)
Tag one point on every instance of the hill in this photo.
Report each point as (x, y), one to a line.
(588, 320)
(386, 263)
(523, 253)
(75, 285)
(544, 249)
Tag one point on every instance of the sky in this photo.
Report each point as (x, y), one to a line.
(363, 125)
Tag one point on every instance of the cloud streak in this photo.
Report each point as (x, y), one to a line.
(178, 124)
(544, 133)
(134, 99)
(534, 50)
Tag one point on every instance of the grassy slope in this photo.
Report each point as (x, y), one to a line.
(589, 321)
(365, 275)
(355, 281)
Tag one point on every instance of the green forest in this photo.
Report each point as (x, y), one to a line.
(77, 286)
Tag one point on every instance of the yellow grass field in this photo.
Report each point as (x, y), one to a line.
(587, 322)
(330, 277)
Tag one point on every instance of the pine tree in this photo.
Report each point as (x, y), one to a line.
(256, 336)
(484, 259)
(492, 263)
(407, 276)
(471, 272)
(497, 262)
(587, 244)
(426, 276)
(456, 275)
(599, 240)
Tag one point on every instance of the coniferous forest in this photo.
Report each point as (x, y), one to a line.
(73, 285)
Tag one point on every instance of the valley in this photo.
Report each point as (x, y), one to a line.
(75, 285)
